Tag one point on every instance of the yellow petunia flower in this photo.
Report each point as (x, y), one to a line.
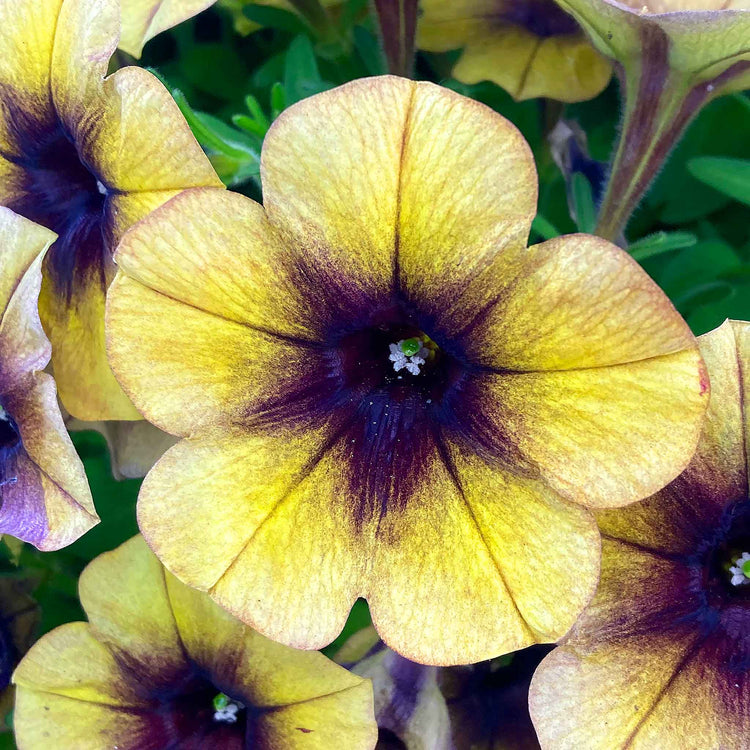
(661, 658)
(529, 47)
(159, 665)
(672, 57)
(144, 19)
(384, 392)
(44, 495)
(85, 156)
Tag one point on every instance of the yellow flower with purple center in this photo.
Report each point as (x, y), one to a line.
(314, 469)
(531, 48)
(144, 19)
(44, 495)
(661, 657)
(160, 665)
(85, 156)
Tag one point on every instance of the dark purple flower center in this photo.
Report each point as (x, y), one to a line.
(10, 443)
(188, 712)
(543, 18)
(489, 700)
(724, 607)
(63, 193)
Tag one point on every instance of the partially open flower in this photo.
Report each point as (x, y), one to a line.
(480, 706)
(159, 665)
(44, 495)
(529, 47)
(661, 658)
(86, 157)
(144, 19)
(672, 56)
(315, 469)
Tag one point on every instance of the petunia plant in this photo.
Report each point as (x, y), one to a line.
(672, 57)
(661, 656)
(160, 665)
(325, 456)
(85, 156)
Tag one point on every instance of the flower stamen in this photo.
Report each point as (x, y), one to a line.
(226, 709)
(409, 355)
(741, 570)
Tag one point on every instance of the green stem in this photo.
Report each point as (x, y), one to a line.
(317, 19)
(648, 135)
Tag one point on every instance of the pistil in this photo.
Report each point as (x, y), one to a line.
(226, 710)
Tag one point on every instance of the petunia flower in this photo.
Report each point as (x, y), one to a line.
(144, 19)
(661, 658)
(159, 665)
(558, 378)
(44, 495)
(86, 157)
(672, 57)
(531, 48)
(19, 617)
(472, 707)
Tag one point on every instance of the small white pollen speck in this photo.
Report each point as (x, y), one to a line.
(741, 570)
(100, 187)
(228, 714)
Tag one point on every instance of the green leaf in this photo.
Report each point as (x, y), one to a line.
(275, 18)
(301, 74)
(729, 176)
(545, 229)
(659, 243)
(583, 203)
(368, 48)
(278, 100)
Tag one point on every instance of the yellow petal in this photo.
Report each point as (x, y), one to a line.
(591, 433)
(596, 698)
(26, 42)
(140, 141)
(571, 303)
(72, 693)
(446, 25)
(371, 213)
(127, 604)
(144, 19)
(76, 329)
(502, 531)
(264, 517)
(271, 675)
(322, 723)
(186, 368)
(717, 471)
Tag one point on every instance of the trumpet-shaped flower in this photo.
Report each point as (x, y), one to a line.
(672, 56)
(661, 657)
(529, 47)
(144, 19)
(315, 469)
(44, 495)
(85, 156)
(160, 665)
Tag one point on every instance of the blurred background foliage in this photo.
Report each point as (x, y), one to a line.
(691, 234)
